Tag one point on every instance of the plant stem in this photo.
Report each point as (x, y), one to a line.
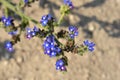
(0, 24)
(61, 18)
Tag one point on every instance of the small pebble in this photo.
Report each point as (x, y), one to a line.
(5, 62)
(91, 27)
(19, 59)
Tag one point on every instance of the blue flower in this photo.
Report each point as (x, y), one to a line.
(33, 33)
(47, 51)
(13, 33)
(46, 19)
(35, 29)
(90, 45)
(59, 62)
(69, 3)
(57, 67)
(3, 19)
(26, 1)
(63, 68)
(46, 44)
(28, 30)
(9, 46)
(53, 54)
(73, 31)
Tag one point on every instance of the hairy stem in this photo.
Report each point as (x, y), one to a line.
(61, 19)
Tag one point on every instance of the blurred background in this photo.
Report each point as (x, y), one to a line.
(97, 20)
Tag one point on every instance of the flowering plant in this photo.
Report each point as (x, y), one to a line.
(43, 29)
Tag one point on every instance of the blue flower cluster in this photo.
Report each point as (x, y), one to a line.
(90, 45)
(31, 33)
(73, 31)
(46, 19)
(60, 65)
(69, 3)
(50, 46)
(9, 46)
(7, 21)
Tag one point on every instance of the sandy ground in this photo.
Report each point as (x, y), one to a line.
(101, 16)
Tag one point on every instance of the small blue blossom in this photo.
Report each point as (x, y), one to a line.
(69, 3)
(72, 36)
(59, 62)
(26, 1)
(33, 33)
(63, 68)
(53, 54)
(35, 29)
(28, 36)
(3, 19)
(90, 45)
(49, 17)
(47, 51)
(9, 46)
(13, 33)
(73, 31)
(57, 67)
(45, 19)
(46, 44)
(28, 30)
